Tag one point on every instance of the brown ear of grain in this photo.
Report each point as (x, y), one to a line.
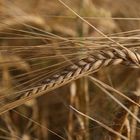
(52, 34)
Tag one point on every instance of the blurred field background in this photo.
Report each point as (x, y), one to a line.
(39, 38)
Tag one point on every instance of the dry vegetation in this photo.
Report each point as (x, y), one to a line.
(69, 70)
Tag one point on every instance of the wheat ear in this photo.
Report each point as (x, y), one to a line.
(90, 64)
